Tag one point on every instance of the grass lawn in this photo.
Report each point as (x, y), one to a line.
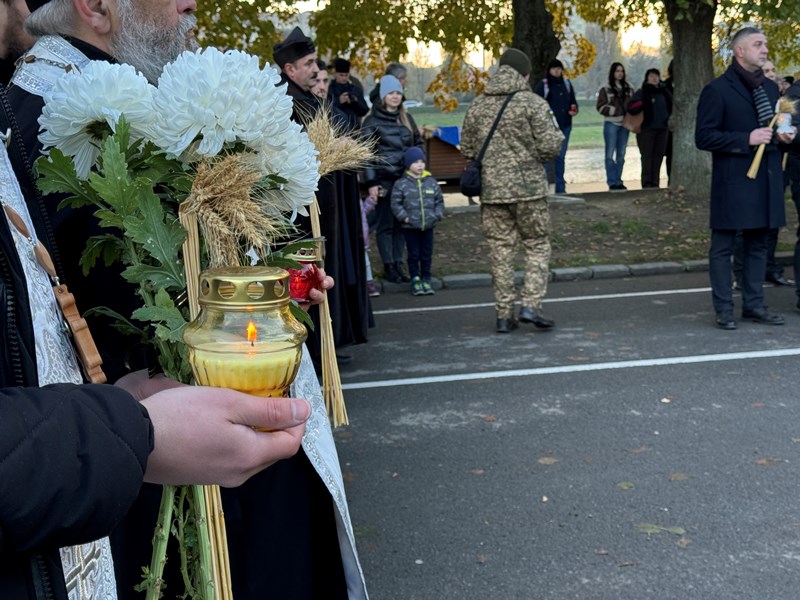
(587, 126)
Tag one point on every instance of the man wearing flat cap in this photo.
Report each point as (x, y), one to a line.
(347, 97)
(286, 515)
(340, 210)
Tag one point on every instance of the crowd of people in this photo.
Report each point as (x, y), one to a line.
(138, 434)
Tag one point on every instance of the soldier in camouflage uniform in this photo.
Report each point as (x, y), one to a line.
(514, 190)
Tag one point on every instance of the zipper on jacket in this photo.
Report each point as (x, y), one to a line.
(421, 204)
(42, 583)
(11, 321)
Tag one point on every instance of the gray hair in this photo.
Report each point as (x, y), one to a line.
(57, 17)
(396, 69)
(743, 33)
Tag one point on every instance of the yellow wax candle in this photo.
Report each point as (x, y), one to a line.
(265, 369)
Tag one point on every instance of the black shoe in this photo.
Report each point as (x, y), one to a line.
(778, 279)
(529, 315)
(390, 273)
(763, 316)
(621, 187)
(506, 325)
(725, 321)
(343, 359)
(401, 273)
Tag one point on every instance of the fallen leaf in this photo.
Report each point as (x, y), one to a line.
(348, 476)
(625, 485)
(666, 400)
(547, 460)
(629, 563)
(757, 405)
(489, 418)
(638, 450)
(683, 542)
(769, 460)
(395, 474)
(650, 528)
(602, 552)
(477, 471)
(796, 440)
(678, 477)
(481, 559)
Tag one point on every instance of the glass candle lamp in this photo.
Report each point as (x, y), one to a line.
(245, 337)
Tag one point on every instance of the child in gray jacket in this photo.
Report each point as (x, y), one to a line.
(418, 204)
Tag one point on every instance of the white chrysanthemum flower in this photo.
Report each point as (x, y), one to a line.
(296, 161)
(83, 106)
(208, 98)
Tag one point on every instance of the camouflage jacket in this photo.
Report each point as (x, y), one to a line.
(526, 137)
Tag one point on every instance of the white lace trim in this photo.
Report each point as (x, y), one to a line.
(320, 448)
(53, 54)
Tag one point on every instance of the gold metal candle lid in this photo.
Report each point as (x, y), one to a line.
(244, 287)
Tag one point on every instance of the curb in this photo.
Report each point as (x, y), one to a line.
(456, 282)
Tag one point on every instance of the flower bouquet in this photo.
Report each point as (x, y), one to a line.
(211, 147)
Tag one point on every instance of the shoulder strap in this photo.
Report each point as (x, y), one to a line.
(494, 126)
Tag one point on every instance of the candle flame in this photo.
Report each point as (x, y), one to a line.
(251, 332)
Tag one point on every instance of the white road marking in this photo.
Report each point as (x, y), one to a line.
(625, 364)
(398, 311)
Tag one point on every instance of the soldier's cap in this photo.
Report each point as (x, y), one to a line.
(294, 47)
(517, 60)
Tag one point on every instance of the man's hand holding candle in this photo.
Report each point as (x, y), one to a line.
(206, 435)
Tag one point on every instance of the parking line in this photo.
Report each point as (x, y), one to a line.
(626, 364)
(397, 311)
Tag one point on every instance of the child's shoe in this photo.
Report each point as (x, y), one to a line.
(417, 289)
(426, 288)
(372, 289)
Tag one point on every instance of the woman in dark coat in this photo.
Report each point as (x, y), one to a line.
(656, 102)
(395, 132)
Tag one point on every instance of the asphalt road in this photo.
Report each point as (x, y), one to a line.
(634, 452)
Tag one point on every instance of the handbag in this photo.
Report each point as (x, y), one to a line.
(633, 123)
(471, 176)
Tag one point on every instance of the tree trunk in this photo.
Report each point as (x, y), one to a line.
(692, 65)
(533, 34)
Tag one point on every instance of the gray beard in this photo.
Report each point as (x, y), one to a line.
(148, 47)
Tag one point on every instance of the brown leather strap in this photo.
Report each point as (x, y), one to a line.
(82, 339)
(81, 336)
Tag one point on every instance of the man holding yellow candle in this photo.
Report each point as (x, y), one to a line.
(734, 116)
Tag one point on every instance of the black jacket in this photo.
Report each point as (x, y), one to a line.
(726, 115)
(353, 110)
(656, 102)
(72, 459)
(393, 139)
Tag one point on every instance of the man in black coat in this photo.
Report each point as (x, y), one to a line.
(733, 117)
(347, 97)
(340, 210)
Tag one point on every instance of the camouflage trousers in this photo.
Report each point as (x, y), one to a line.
(504, 225)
